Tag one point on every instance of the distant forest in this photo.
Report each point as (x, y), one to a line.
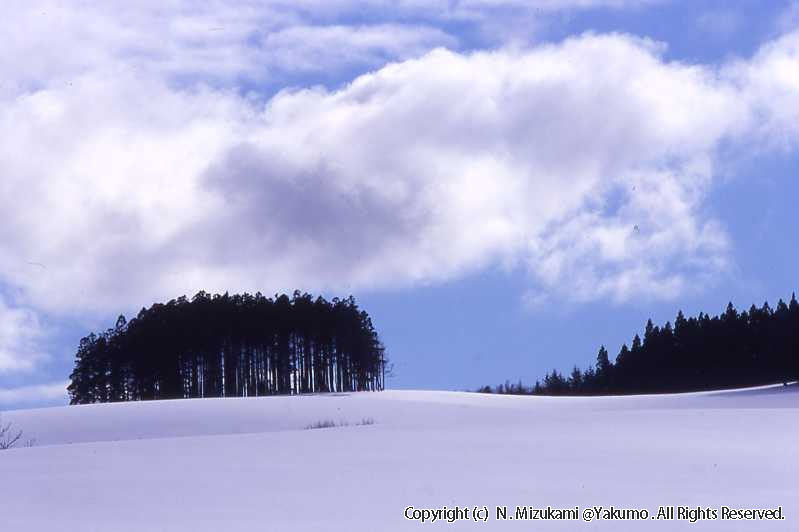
(759, 346)
(231, 346)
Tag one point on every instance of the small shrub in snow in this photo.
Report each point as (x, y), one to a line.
(7, 437)
(326, 424)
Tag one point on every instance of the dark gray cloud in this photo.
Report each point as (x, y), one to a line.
(274, 209)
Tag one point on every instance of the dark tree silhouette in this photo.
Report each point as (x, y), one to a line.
(224, 346)
(734, 349)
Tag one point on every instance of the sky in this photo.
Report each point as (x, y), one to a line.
(503, 186)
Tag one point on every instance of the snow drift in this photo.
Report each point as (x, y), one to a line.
(252, 464)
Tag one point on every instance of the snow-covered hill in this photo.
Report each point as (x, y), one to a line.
(252, 464)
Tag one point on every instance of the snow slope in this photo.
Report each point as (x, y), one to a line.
(250, 464)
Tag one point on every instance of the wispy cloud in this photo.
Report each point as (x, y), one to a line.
(333, 47)
(234, 42)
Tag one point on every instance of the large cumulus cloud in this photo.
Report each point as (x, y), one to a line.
(586, 163)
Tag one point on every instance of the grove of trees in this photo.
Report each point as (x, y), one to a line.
(231, 345)
(735, 349)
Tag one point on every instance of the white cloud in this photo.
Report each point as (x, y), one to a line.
(511, 164)
(34, 394)
(769, 86)
(129, 190)
(21, 336)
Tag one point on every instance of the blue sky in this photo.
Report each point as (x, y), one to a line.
(504, 186)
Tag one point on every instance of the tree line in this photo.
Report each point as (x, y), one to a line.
(734, 349)
(231, 346)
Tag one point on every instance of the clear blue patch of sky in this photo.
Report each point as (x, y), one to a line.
(478, 330)
(758, 206)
